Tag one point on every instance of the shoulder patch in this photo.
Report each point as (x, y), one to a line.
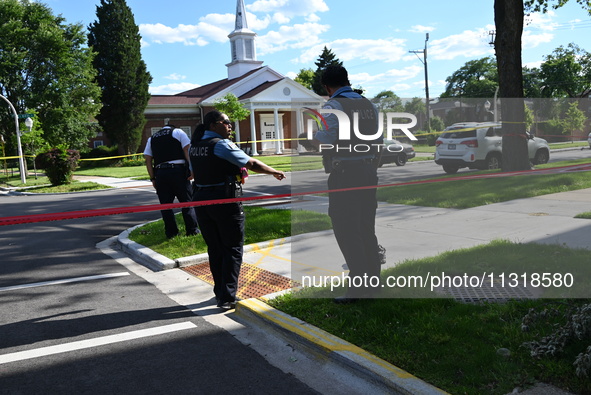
(232, 145)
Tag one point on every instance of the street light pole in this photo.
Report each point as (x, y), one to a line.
(29, 125)
(21, 162)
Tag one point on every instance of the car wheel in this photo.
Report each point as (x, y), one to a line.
(493, 162)
(542, 156)
(401, 160)
(450, 169)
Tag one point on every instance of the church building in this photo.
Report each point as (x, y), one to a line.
(275, 102)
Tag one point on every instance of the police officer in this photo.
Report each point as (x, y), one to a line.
(167, 161)
(217, 164)
(351, 165)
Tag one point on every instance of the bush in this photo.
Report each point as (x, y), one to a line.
(133, 161)
(59, 164)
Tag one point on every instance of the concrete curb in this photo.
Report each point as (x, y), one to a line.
(326, 346)
(158, 262)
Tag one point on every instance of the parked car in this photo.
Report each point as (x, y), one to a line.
(396, 152)
(478, 146)
(589, 140)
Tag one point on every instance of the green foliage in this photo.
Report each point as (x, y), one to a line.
(388, 101)
(45, 66)
(437, 124)
(230, 106)
(122, 74)
(59, 164)
(305, 78)
(326, 58)
(574, 118)
(566, 72)
(476, 79)
(542, 5)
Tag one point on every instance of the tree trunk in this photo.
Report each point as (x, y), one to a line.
(509, 16)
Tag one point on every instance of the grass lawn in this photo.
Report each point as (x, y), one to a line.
(479, 192)
(262, 224)
(459, 347)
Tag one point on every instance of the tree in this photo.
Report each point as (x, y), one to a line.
(388, 101)
(476, 79)
(326, 58)
(509, 16)
(122, 74)
(305, 78)
(567, 73)
(45, 66)
(574, 119)
(230, 106)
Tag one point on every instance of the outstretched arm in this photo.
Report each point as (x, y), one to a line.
(259, 167)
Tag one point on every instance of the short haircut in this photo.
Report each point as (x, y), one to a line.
(335, 76)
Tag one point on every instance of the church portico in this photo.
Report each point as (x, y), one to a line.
(275, 102)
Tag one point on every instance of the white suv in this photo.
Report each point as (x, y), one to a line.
(478, 146)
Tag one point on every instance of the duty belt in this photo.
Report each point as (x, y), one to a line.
(169, 165)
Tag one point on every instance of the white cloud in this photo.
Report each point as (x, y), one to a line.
(469, 44)
(530, 40)
(533, 65)
(172, 89)
(421, 29)
(540, 21)
(289, 8)
(347, 49)
(186, 34)
(296, 36)
(175, 77)
(212, 27)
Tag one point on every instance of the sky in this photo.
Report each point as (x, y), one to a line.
(185, 43)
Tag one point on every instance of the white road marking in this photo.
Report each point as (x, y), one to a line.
(65, 281)
(100, 341)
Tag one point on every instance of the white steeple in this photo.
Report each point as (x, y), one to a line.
(244, 57)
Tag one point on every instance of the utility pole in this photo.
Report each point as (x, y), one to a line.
(424, 61)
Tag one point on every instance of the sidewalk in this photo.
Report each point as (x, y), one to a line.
(407, 232)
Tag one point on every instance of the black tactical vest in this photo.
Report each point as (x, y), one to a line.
(367, 125)
(209, 169)
(166, 148)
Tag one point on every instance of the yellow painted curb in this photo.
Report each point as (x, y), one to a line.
(335, 348)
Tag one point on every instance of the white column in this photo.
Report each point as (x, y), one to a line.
(278, 132)
(237, 132)
(253, 133)
(299, 129)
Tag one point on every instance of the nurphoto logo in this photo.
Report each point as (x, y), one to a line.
(318, 122)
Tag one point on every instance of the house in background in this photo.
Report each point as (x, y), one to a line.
(276, 103)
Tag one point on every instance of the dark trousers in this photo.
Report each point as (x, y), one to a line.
(222, 227)
(353, 216)
(172, 183)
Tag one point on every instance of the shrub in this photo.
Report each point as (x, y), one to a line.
(59, 164)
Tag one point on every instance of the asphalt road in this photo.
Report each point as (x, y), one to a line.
(112, 334)
(315, 180)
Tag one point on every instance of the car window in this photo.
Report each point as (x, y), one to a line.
(460, 134)
(490, 132)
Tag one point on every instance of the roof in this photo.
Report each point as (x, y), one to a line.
(258, 89)
(197, 95)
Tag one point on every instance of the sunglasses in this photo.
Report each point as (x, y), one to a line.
(225, 122)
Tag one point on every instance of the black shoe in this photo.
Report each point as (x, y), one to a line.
(344, 300)
(227, 305)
